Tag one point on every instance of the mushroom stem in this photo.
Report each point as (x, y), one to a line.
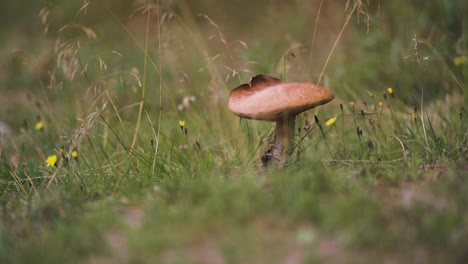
(283, 147)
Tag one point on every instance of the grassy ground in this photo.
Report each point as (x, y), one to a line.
(151, 167)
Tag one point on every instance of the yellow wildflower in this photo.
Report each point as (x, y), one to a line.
(39, 125)
(459, 60)
(182, 124)
(330, 121)
(380, 104)
(74, 154)
(390, 90)
(51, 160)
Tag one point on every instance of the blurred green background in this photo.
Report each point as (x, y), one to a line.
(379, 39)
(376, 50)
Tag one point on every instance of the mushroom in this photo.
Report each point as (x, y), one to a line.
(268, 98)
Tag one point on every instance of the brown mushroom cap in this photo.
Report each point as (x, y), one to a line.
(268, 98)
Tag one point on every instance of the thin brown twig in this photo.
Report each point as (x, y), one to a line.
(160, 71)
(143, 88)
(315, 31)
(348, 18)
